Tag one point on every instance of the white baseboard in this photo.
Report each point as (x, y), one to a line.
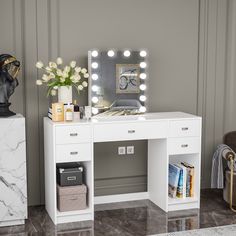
(11, 223)
(121, 197)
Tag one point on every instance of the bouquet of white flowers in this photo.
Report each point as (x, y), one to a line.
(56, 76)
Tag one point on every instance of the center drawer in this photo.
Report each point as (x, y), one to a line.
(73, 152)
(130, 131)
(73, 134)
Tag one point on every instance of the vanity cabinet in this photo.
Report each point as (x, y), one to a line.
(173, 137)
(13, 182)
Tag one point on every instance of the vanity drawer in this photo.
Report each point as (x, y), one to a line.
(73, 134)
(130, 131)
(73, 152)
(185, 128)
(184, 145)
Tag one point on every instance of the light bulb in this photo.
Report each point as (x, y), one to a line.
(143, 64)
(94, 53)
(143, 87)
(143, 76)
(111, 53)
(142, 98)
(127, 53)
(94, 99)
(94, 110)
(94, 65)
(94, 76)
(94, 88)
(142, 109)
(143, 53)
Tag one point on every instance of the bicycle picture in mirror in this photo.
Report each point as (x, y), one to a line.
(127, 78)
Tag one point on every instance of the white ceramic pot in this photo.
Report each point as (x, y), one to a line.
(65, 94)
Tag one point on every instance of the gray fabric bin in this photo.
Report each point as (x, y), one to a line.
(71, 198)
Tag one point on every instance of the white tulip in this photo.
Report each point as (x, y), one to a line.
(53, 92)
(64, 74)
(52, 65)
(73, 64)
(77, 69)
(84, 70)
(55, 87)
(80, 87)
(59, 72)
(85, 84)
(62, 79)
(59, 61)
(39, 65)
(86, 75)
(52, 76)
(45, 78)
(67, 69)
(39, 82)
(48, 69)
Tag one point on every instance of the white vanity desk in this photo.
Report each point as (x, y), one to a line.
(172, 137)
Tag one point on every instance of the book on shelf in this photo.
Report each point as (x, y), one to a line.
(173, 180)
(181, 189)
(190, 179)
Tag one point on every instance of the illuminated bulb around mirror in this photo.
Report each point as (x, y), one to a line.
(94, 65)
(94, 110)
(143, 53)
(127, 53)
(143, 76)
(142, 98)
(143, 64)
(94, 53)
(94, 88)
(142, 109)
(111, 53)
(143, 87)
(94, 76)
(94, 99)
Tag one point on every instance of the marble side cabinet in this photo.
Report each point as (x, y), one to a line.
(13, 184)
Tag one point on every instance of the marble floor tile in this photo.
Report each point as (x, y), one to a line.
(136, 218)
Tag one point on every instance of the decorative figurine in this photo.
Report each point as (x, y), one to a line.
(9, 69)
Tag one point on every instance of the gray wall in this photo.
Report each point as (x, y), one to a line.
(192, 56)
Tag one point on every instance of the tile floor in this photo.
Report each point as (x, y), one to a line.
(131, 218)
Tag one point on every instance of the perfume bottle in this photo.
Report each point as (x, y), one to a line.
(69, 112)
(76, 111)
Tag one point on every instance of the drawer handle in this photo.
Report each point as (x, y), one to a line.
(131, 131)
(71, 178)
(184, 145)
(73, 153)
(184, 128)
(73, 134)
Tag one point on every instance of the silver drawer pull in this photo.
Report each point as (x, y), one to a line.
(71, 178)
(73, 153)
(73, 134)
(131, 131)
(184, 145)
(184, 128)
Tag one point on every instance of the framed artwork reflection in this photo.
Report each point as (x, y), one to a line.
(127, 78)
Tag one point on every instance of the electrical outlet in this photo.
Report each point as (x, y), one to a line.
(121, 151)
(130, 149)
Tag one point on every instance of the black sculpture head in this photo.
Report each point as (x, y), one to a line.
(9, 69)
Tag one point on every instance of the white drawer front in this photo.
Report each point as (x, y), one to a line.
(73, 152)
(130, 131)
(73, 134)
(185, 128)
(184, 145)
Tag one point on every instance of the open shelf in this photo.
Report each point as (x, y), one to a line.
(173, 201)
(71, 213)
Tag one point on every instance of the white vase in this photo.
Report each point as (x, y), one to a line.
(65, 94)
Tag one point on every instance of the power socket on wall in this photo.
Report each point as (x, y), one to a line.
(121, 150)
(130, 149)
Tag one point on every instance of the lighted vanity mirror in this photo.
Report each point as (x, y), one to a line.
(117, 83)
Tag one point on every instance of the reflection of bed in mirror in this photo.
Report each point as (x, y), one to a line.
(117, 82)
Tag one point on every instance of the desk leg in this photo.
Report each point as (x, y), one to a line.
(158, 172)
